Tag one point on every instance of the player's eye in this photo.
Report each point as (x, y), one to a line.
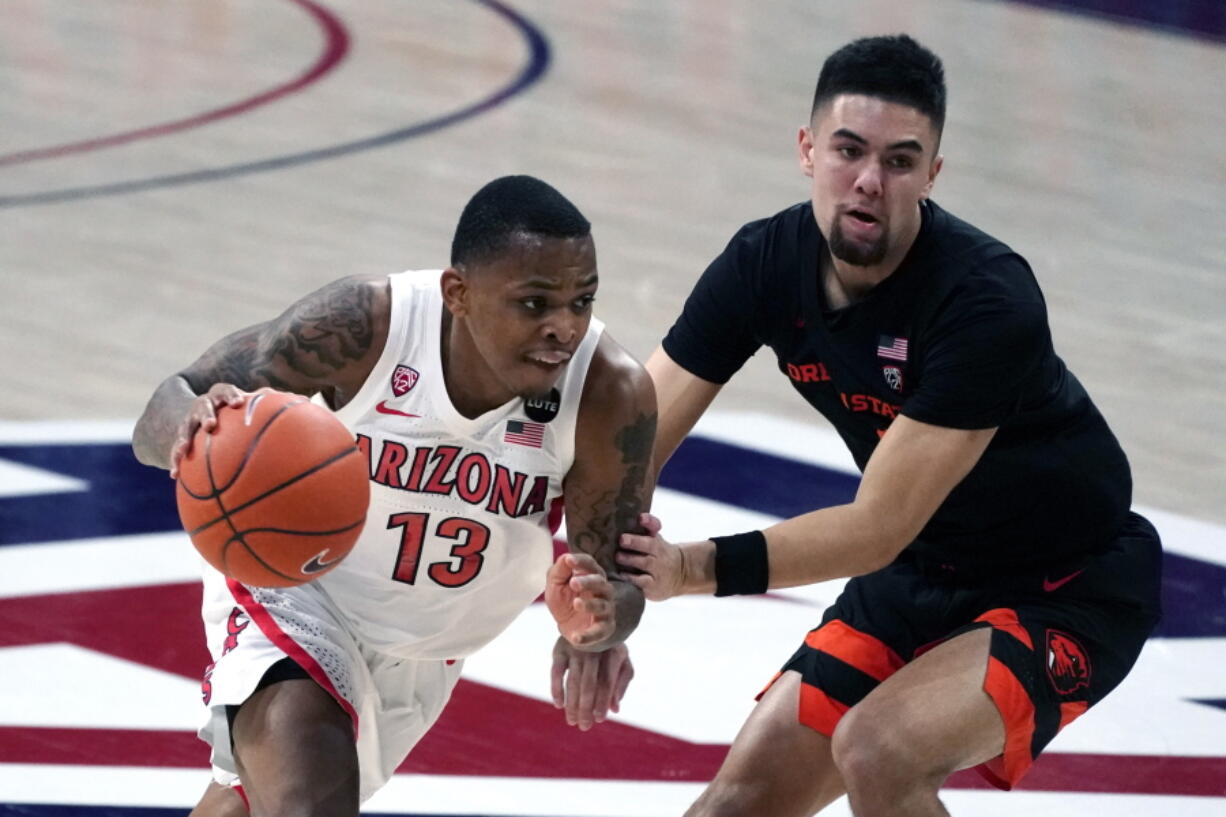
(849, 152)
(900, 162)
(533, 304)
(584, 302)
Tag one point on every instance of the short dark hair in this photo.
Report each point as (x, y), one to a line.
(511, 206)
(894, 68)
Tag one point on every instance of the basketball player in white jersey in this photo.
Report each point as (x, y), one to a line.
(486, 399)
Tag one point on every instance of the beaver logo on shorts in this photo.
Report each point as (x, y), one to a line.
(1068, 666)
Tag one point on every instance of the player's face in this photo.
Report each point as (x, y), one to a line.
(871, 162)
(527, 311)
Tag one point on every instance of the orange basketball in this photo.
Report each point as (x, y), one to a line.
(276, 495)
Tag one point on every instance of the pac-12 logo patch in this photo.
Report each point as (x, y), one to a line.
(1068, 666)
(403, 379)
(893, 377)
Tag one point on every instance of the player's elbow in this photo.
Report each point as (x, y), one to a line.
(887, 536)
(142, 442)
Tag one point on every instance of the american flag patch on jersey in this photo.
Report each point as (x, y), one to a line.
(892, 348)
(522, 433)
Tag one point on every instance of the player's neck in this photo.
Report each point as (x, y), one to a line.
(477, 391)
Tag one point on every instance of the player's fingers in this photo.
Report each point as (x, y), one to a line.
(574, 677)
(650, 524)
(590, 585)
(592, 635)
(587, 691)
(606, 686)
(637, 542)
(585, 564)
(625, 672)
(595, 606)
(227, 394)
(202, 415)
(557, 673)
(560, 571)
(176, 455)
(634, 559)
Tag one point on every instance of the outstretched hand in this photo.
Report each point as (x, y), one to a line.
(202, 414)
(589, 685)
(655, 566)
(580, 598)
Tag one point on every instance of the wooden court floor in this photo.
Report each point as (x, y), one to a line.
(172, 171)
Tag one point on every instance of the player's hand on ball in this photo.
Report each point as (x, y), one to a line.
(589, 685)
(654, 566)
(580, 597)
(203, 414)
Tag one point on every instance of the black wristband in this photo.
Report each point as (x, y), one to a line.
(741, 567)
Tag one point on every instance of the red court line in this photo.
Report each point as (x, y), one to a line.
(612, 751)
(336, 46)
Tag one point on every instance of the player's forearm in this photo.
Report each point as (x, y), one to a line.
(832, 543)
(155, 430)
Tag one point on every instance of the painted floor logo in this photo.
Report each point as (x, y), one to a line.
(101, 660)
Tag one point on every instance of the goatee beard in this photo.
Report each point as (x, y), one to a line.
(858, 255)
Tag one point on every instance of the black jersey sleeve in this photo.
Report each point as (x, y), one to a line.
(983, 355)
(715, 335)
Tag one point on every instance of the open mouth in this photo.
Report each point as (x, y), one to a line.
(549, 358)
(862, 216)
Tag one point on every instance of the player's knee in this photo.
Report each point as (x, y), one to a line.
(873, 754)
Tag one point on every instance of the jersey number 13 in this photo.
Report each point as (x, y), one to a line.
(470, 539)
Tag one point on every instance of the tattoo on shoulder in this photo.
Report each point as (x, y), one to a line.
(328, 329)
(619, 512)
(318, 335)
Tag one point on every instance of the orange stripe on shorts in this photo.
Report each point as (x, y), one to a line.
(1017, 711)
(1071, 711)
(1005, 618)
(854, 648)
(819, 711)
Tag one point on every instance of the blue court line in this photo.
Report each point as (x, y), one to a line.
(535, 68)
(125, 497)
(56, 810)
(1195, 18)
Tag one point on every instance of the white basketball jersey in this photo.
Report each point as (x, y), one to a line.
(457, 539)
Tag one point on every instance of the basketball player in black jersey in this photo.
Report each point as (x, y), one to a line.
(1001, 583)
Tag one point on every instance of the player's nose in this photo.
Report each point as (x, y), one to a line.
(563, 328)
(869, 181)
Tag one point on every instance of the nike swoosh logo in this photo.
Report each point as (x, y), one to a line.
(1050, 586)
(317, 564)
(382, 408)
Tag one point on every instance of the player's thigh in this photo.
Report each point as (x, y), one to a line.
(928, 719)
(220, 801)
(294, 746)
(777, 766)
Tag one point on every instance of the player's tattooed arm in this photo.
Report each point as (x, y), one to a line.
(610, 483)
(327, 342)
(610, 513)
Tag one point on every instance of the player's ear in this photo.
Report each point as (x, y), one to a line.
(455, 290)
(933, 170)
(805, 147)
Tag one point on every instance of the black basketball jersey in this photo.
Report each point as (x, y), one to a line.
(957, 336)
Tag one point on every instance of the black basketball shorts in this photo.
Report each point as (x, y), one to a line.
(1062, 638)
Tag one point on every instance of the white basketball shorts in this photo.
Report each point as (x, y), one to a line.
(392, 701)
